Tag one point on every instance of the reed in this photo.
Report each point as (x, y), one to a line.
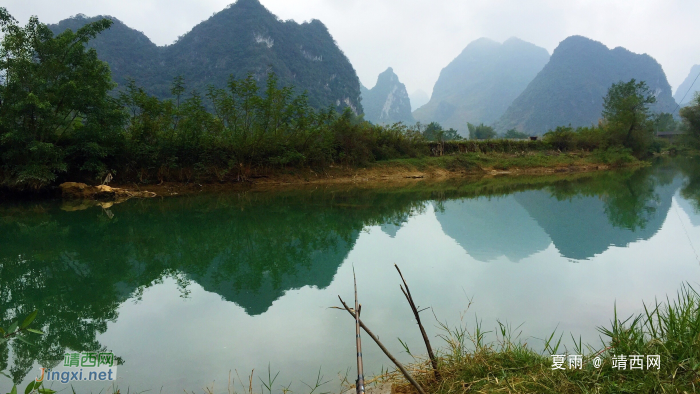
(670, 329)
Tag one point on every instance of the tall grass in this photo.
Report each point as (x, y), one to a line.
(670, 329)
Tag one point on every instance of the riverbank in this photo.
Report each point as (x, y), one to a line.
(403, 172)
(669, 331)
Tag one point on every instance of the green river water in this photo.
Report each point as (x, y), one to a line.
(186, 289)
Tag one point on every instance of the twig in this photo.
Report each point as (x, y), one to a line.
(360, 383)
(384, 349)
(409, 298)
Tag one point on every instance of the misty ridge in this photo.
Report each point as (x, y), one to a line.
(510, 85)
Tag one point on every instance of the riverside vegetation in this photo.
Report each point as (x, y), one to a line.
(471, 363)
(60, 120)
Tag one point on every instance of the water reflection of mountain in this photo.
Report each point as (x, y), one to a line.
(78, 267)
(581, 217)
(392, 227)
(316, 268)
(690, 193)
(488, 228)
(691, 210)
(582, 226)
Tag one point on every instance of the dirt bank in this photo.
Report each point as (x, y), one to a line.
(394, 174)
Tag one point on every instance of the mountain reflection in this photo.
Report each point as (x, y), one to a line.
(77, 268)
(691, 188)
(488, 228)
(581, 217)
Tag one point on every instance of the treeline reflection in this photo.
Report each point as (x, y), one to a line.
(250, 248)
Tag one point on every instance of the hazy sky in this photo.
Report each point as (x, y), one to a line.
(420, 37)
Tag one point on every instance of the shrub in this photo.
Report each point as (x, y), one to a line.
(691, 122)
(562, 138)
(481, 132)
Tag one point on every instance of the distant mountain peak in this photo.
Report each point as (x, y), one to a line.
(387, 102)
(571, 87)
(483, 41)
(248, 4)
(387, 76)
(245, 9)
(686, 91)
(481, 82)
(514, 39)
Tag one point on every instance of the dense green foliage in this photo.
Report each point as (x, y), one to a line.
(435, 132)
(481, 132)
(387, 102)
(627, 124)
(666, 123)
(248, 129)
(55, 114)
(691, 122)
(515, 134)
(479, 84)
(571, 87)
(626, 115)
(245, 38)
(57, 121)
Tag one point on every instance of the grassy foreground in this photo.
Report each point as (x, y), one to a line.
(670, 329)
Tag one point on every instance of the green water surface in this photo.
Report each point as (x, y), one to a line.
(187, 289)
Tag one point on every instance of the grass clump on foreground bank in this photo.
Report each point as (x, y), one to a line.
(470, 364)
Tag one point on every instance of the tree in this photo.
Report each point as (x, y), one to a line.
(481, 132)
(434, 132)
(691, 121)
(55, 111)
(515, 135)
(664, 122)
(626, 115)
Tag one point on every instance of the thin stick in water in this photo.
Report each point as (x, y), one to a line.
(360, 383)
(409, 298)
(396, 362)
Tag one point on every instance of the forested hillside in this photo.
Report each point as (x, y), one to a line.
(570, 88)
(242, 39)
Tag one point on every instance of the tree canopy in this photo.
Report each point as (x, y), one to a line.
(481, 132)
(627, 116)
(55, 113)
(515, 134)
(435, 132)
(691, 121)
